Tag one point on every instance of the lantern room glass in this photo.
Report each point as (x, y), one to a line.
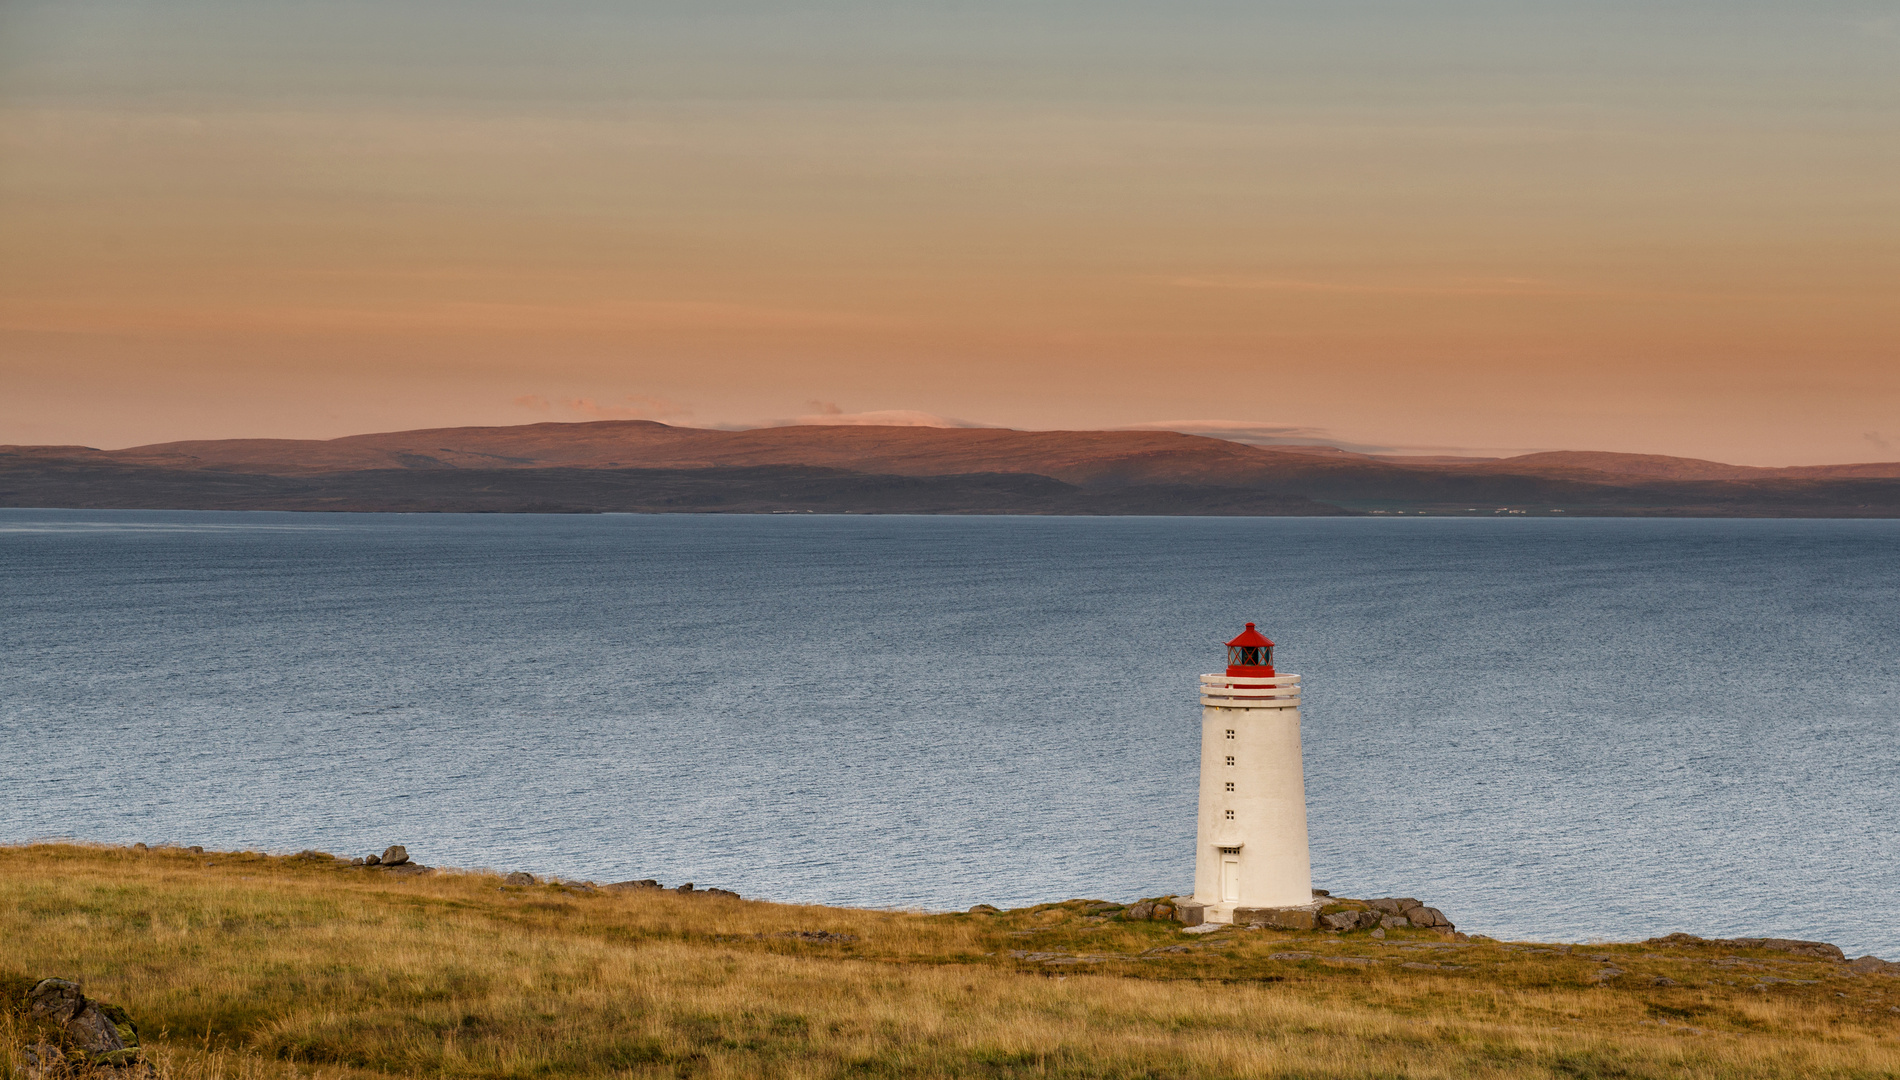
(1250, 655)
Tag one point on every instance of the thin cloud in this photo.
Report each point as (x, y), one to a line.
(880, 418)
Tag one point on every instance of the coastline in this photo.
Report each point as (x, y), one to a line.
(325, 971)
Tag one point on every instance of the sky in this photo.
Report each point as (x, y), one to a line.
(1460, 226)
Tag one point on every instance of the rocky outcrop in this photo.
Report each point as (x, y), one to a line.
(393, 860)
(94, 1034)
(1326, 912)
(521, 877)
(1163, 908)
(1338, 914)
(1820, 950)
(1287, 918)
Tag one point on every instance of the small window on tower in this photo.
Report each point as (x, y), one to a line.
(1230, 785)
(1230, 759)
(1230, 733)
(1230, 815)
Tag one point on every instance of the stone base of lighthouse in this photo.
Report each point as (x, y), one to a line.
(1251, 844)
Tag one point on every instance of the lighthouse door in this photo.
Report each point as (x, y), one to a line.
(1229, 878)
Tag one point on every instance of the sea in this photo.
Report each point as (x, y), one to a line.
(1571, 730)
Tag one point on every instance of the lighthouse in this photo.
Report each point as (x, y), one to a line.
(1251, 836)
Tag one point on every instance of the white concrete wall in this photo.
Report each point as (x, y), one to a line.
(1269, 805)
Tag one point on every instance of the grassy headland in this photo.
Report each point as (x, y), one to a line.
(250, 966)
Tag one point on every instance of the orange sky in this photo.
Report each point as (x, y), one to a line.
(1664, 228)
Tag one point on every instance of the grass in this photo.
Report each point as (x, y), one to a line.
(249, 966)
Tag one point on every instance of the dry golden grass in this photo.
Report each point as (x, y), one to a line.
(253, 967)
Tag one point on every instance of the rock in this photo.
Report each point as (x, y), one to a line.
(396, 855)
(372, 860)
(1186, 912)
(1321, 892)
(44, 1061)
(1100, 907)
(1394, 922)
(195, 850)
(1819, 949)
(1297, 918)
(686, 888)
(1379, 933)
(1392, 905)
(727, 893)
(1138, 912)
(1663, 980)
(1426, 916)
(57, 1000)
(1873, 965)
(985, 909)
(1349, 920)
(630, 886)
(103, 1033)
(140, 847)
(1608, 973)
(407, 869)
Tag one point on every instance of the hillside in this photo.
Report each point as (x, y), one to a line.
(651, 467)
(243, 965)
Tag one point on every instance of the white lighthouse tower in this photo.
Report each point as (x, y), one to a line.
(1251, 839)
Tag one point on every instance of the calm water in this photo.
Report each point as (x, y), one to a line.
(1566, 729)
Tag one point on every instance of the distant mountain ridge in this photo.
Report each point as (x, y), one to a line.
(1095, 472)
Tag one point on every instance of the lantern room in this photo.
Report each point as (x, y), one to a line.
(1250, 655)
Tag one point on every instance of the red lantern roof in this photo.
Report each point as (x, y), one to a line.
(1250, 637)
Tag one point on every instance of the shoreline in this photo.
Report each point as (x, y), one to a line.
(293, 967)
